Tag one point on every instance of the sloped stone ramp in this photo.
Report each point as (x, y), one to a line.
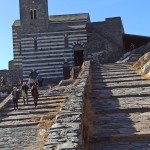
(121, 102)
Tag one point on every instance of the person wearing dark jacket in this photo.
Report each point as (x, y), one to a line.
(33, 74)
(15, 97)
(34, 92)
(66, 70)
(39, 79)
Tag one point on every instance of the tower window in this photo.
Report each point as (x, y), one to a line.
(33, 14)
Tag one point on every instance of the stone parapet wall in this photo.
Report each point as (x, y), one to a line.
(111, 29)
(106, 38)
(5, 102)
(11, 76)
(66, 132)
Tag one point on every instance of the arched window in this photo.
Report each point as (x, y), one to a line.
(33, 14)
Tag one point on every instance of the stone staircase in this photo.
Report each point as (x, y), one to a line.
(121, 102)
(21, 124)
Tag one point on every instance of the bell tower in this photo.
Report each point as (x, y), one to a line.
(33, 16)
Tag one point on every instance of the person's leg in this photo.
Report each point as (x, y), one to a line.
(17, 103)
(27, 96)
(24, 100)
(34, 102)
(14, 104)
(30, 85)
(36, 99)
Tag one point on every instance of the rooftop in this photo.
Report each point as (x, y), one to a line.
(63, 18)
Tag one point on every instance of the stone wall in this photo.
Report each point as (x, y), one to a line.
(11, 65)
(106, 38)
(66, 132)
(12, 76)
(34, 25)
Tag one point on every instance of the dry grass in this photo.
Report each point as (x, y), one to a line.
(136, 65)
(45, 122)
(146, 76)
(81, 70)
(141, 62)
(35, 147)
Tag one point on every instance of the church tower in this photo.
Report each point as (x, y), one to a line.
(33, 16)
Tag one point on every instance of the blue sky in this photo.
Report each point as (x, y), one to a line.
(135, 16)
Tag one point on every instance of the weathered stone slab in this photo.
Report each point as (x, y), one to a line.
(127, 145)
(121, 101)
(122, 125)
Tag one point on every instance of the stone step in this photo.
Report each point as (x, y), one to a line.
(113, 72)
(120, 99)
(115, 77)
(121, 126)
(25, 114)
(117, 86)
(19, 128)
(37, 112)
(122, 104)
(123, 145)
(12, 124)
(19, 117)
(118, 80)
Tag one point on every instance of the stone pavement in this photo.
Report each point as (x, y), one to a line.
(18, 128)
(121, 102)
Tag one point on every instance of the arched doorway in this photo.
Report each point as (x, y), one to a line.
(78, 55)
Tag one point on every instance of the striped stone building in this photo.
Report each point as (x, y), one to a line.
(43, 42)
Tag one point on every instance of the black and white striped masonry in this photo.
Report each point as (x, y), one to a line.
(39, 42)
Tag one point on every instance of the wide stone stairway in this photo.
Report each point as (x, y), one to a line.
(18, 129)
(121, 101)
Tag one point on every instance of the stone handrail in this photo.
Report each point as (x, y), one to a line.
(5, 102)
